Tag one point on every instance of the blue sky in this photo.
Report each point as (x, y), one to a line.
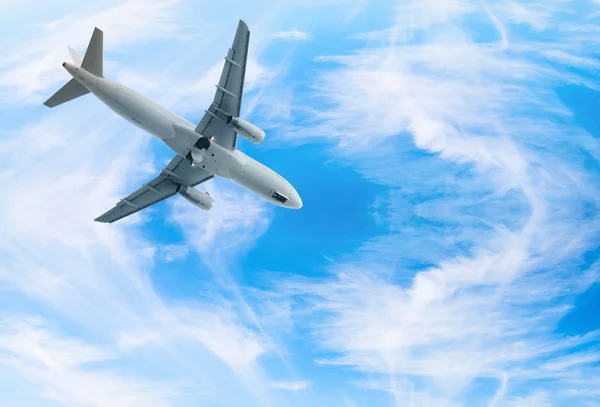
(446, 255)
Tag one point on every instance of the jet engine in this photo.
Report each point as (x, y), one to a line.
(246, 129)
(201, 199)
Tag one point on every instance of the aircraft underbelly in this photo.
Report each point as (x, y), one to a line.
(253, 176)
(146, 114)
(137, 109)
(219, 161)
(215, 159)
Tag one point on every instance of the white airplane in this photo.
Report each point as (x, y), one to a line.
(203, 151)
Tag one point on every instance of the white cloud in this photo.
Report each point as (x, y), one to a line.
(230, 228)
(291, 35)
(414, 14)
(291, 386)
(64, 369)
(222, 334)
(95, 278)
(538, 399)
(92, 275)
(488, 313)
(30, 68)
(11, 5)
(57, 259)
(172, 252)
(93, 281)
(235, 221)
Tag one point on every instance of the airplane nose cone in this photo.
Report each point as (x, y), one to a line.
(295, 202)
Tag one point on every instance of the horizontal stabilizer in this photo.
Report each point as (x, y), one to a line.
(70, 91)
(77, 59)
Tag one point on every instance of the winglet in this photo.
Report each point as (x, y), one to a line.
(241, 33)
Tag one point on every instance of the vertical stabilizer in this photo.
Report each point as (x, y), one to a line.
(93, 61)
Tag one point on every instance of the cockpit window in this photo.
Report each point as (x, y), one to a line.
(278, 197)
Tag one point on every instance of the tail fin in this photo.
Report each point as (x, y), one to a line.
(92, 62)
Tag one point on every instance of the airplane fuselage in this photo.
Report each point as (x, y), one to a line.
(162, 124)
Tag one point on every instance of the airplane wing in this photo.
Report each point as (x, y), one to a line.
(228, 96)
(178, 172)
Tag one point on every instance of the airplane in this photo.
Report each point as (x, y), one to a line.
(202, 152)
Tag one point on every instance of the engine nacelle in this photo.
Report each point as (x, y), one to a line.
(201, 199)
(246, 129)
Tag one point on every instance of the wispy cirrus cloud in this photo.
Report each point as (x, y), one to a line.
(487, 206)
(64, 369)
(172, 252)
(235, 221)
(87, 277)
(92, 277)
(31, 67)
(291, 386)
(291, 35)
(494, 224)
